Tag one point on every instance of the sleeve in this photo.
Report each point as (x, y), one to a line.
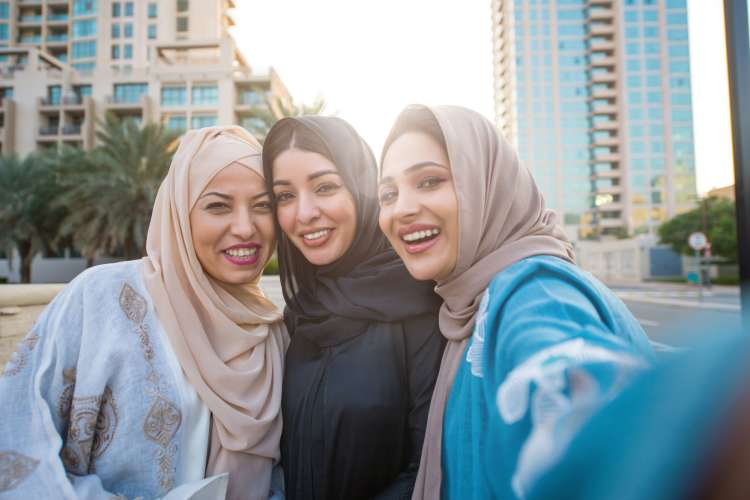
(31, 389)
(550, 361)
(424, 350)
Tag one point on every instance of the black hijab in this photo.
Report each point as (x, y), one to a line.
(333, 303)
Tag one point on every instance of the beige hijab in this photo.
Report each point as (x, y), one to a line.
(229, 339)
(501, 219)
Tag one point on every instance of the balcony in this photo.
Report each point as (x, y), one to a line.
(49, 131)
(605, 125)
(605, 142)
(608, 77)
(71, 129)
(57, 18)
(124, 102)
(25, 20)
(601, 29)
(57, 39)
(49, 102)
(600, 13)
(72, 100)
(610, 222)
(603, 94)
(608, 109)
(30, 2)
(607, 158)
(31, 40)
(608, 46)
(602, 62)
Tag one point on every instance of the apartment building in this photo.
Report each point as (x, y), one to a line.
(596, 96)
(64, 63)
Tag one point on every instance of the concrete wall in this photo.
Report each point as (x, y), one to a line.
(629, 260)
(47, 270)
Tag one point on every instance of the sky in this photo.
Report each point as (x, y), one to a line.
(370, 59)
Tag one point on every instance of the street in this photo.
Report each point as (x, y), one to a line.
(675, 315)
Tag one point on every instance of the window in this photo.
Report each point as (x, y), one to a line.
(84, 7)
(205, 95)
(84, 28)
(679, 51)
(177, 123)
(128, 51)
(4, 11)
(130, 92)
(182, 24)
(173, 96)
(128, 9)
(679, 66)
(115, 52)
(152, 10)
(115, 31)
(200, 121)
(152, 32)
(652, 47)
(253, 98)
(53, 94)
(116, 9)
(128, 30)
(3, 31)
(182, 5)
(85, 68)
(677, 34)
(650, 16)
(681, 115)
(679, 18)
(632, 48)
(82, 90)
(654, 97)
(83, 50)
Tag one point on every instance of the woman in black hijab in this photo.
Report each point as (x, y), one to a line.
(365, 345)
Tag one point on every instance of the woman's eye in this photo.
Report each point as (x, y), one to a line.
(387, 196)
(283, 196)
(263, 205)
(429, 182)
(327, 187)
(216, 206)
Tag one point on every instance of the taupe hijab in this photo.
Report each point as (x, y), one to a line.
(228, 339)
(501, 219)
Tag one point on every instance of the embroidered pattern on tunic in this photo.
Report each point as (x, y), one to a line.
(14, 469)
(21, 356)
(92, 422)
(164, 417)
(476, 349)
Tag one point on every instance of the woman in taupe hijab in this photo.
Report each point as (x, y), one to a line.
(143, 378)
(534, 342)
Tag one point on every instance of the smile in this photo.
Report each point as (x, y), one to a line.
(419, 238)
(242, 255)
(317, 238)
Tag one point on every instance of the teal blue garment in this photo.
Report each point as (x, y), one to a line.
(550, 345)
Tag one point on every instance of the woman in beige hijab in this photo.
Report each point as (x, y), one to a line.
(534, 342)
(142, 378)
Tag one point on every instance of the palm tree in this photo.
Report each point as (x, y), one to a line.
(110, 193)
(29, 224)
(275, 108)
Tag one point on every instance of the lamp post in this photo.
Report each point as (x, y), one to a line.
(738, 59)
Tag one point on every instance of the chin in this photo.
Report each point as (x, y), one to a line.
(421, 273)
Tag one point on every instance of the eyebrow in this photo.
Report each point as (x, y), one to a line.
(227, 197)
(310, 177)
(417, 166)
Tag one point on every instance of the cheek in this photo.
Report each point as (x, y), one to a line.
(286, 214)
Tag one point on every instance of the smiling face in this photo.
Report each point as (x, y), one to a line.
(232, 226)
(314, 208)
(418, 207)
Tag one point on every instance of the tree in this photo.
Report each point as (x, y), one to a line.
(715, 217)
(110, 192)
(274, 109)
(29, 223)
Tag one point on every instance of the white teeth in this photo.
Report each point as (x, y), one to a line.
(242, 252)
(419, 235)
(316, 234)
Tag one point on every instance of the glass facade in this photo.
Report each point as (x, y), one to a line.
(602, 96)
(84, 28)
(174, 96)
(176, 123)
(83, 50)
(205, 95)
(200, 121)
(84, 7)
(129, 92)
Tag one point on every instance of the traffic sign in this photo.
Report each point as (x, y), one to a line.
(697, 241)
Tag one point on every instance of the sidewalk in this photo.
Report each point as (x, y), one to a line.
(718, 298)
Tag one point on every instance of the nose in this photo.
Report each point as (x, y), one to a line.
(406, 205)
(308, 209)
(243, 225)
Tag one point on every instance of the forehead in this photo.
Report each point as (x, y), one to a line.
(410, 148)
(236, 178)
(295, 163)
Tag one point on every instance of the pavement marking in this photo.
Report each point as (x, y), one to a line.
(647, 322)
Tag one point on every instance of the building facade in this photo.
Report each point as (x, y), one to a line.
(596, 96)
(64, 63)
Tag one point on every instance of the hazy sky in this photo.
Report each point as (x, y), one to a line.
(370, 59)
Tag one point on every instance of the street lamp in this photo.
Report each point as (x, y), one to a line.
(738, 59)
